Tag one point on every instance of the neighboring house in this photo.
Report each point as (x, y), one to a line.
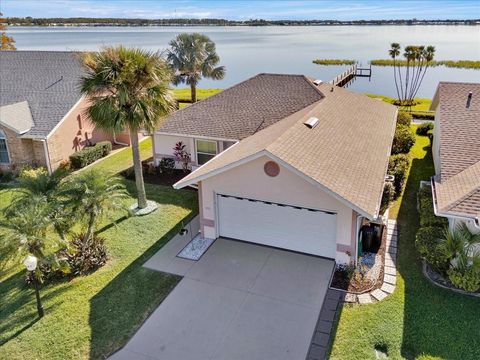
(308, 168)
(456, 153)
(41, 109)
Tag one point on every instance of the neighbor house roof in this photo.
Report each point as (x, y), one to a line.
(47, 80)
(346, 154)
(243, 109)
(457, 185)
(17, 117)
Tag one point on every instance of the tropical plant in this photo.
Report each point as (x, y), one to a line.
(128, 89)
(387, 197)
(182, 156)
(6, 42)
(93, 195)
(398, 166)
(193, 56)
(27, 232)
(418, 60)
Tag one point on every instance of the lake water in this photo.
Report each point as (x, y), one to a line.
(246, 51)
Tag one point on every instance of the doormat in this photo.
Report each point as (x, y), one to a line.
(195, 248)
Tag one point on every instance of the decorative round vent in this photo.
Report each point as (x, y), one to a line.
(271, 168)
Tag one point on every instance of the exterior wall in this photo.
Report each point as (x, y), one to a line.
(249, 180)
(163, 147)
(436, 142)
(72, 134)
(22, 151)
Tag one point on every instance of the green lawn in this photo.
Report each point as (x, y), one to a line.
(420, 320)
(92, 316)
(423, 104)
(184, 93)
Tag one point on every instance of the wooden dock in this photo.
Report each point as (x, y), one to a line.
(349, 75)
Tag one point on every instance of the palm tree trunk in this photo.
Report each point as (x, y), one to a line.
(137, 166)
(91, 225)
(193, 89)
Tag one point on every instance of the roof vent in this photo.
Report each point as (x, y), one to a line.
(318, 82)
(469, 99)
(311, 122)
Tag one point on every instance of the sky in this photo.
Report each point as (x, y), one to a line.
(246, 9)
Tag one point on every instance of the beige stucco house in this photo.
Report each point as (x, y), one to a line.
(42, 119)
(456, 153)
(307, 164)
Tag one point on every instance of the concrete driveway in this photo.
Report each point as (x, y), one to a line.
(239, 301)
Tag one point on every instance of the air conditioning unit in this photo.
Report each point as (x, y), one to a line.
(311, 122)
(389, 178)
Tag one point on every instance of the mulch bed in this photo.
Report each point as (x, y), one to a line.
(445, 282)
(156, 178)
(358, 285)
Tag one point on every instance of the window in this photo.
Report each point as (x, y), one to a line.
(4, 158)
(206, 150)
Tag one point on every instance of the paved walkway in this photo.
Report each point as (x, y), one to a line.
(239, 301)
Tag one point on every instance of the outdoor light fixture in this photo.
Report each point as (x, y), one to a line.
(31, 264)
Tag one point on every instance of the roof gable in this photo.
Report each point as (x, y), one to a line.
(17, 117)
(244, 109)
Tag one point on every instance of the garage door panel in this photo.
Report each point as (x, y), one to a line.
(297, 229)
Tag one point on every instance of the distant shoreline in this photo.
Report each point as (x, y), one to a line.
(116, 22)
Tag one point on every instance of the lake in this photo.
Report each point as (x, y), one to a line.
(246, 51)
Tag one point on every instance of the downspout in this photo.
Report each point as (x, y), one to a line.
(116, 142)
(357, 237)
(47, 155)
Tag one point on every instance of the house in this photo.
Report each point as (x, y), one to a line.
(456, 153)
(304, 164)
(42, 119)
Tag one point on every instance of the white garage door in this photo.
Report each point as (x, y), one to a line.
(288, 227)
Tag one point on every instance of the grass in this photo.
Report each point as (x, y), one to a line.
(422, 104)
(183, 95)
(419, 320)
(465, 64)
(91, 316)
(333, 62)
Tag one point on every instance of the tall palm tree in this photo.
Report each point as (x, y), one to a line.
(394, 52)
(193, 56)
(128, 89)
(92, 195)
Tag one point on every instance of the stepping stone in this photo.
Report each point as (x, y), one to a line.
(390, 257)
(321, 339)
(364, 299)
(391, 243)
(388, 288)
(330, 304)
(392, 252)
(390, 262)
(324, 326)
(390, 279)
(378, 294)
(392, 248)
(317, 352)
(390, 270)
(351, 298)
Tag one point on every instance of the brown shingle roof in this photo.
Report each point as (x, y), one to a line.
(245, 108)
(457, 186)
(346, 153)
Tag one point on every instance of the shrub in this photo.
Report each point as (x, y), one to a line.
(398, 166)
(387, 197)
(166, 165)
(423, 129)
(86, 256)
(469, 279)
(427, 215)
(6, 176)
(404, 118)
(428, 244)
(403, 140)
(106, 147)
(90, 154)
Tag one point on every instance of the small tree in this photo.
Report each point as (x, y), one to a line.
(193, 56)
(6, 42)
(182, 156)
(93, 195)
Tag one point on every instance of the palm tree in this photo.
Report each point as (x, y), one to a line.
(27, 233)
(92, 195)
(462, 247)
(128, 88)
(394, 52)
(193, 56)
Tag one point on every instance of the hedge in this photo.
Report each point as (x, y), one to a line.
(403, 139)
(404, 118)
(90, 154)
(424, 128)
(398, 167)
(428, 243)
